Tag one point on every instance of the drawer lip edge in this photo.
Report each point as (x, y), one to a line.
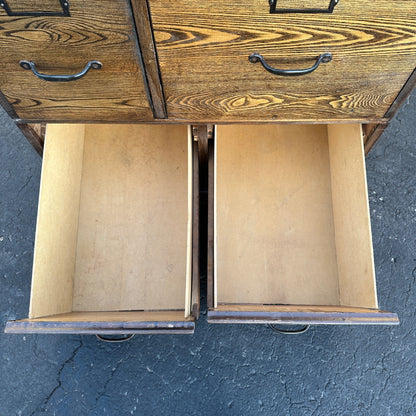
(108, 328)
(376, 317)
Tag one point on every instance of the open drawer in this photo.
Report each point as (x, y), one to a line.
(289, 237)
(117, 233)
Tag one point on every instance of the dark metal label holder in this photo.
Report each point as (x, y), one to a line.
(64, 4)
(274, 10)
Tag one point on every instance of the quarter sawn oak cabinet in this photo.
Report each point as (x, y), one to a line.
(137, 105)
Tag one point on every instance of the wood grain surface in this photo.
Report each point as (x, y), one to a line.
(102, 31)
(203, 53)
(35, 6)
(147, 47)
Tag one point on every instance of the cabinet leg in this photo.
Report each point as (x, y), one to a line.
(35, 134)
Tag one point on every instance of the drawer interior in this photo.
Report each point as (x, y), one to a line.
(291, 219)
(114, 229)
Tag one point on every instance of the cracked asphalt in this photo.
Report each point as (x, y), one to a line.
(221, 369)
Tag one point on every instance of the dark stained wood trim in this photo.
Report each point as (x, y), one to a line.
(210, 246)
(27, 326)
(208, 122)
(35, 134)
(195, 232)
(147, 47)
(402, 96)
(293, 318)
(367, 130)
(372, 133)
(201, 133)
(4, 102)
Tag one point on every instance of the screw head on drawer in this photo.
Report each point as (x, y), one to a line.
(326, 57)
(24, 64)
(254, 57)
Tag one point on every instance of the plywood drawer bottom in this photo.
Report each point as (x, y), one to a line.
(113, 251)
(289, 226)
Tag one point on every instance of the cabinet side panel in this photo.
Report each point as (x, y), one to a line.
(34, 134)
(4, 102)
(57, 224)
(351, 216)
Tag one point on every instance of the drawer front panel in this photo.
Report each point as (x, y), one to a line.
(64, 45)
(106, 323)
(203, 55)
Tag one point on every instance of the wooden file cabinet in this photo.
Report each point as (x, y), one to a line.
(288, 223)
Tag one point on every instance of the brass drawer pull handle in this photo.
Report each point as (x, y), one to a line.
(54, 78)
(120, 339)
(289, 331)
(324, 58)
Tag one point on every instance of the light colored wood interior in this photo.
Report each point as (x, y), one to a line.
(57, 222)
(188, 283)
(294, 308)
(124, 198)
(276, 225)
(351, 216)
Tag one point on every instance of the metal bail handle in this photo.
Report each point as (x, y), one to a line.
(323, 58)
(29, 65)
(120, 339)
(301, 330)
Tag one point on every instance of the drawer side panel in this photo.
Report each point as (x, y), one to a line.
(351, 216)
(57, 223)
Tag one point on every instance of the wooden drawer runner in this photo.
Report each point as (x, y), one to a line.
(115, 231)
(203, 53)
(289, 226)
(59, 45)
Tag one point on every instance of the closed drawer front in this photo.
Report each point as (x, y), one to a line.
(61, 45)
(113, 250)
(289, 229)
(203, 53)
